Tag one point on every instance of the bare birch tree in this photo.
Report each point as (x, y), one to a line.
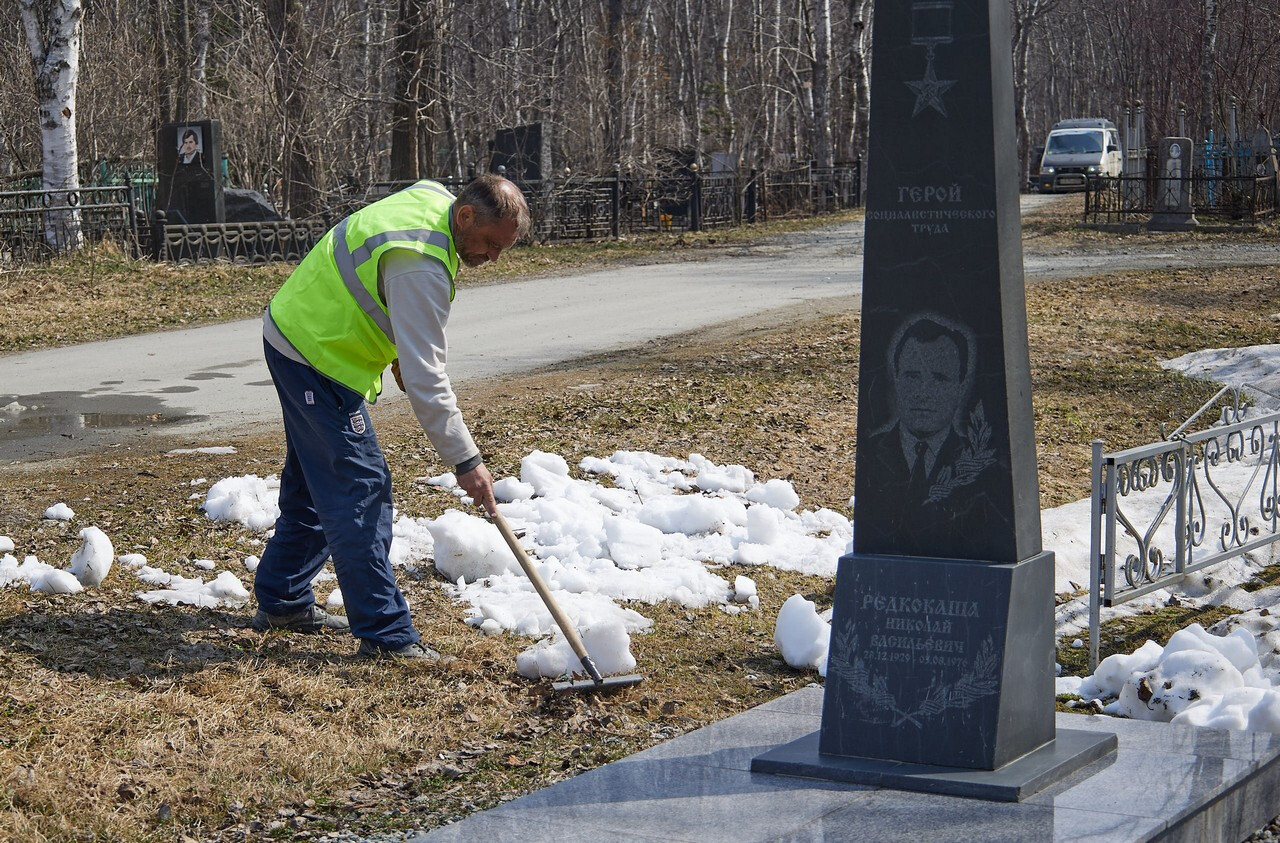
(52, 29)
(820, 130)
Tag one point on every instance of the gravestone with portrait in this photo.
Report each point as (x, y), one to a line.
(1173, 210)
(188, 187)
(940, 675)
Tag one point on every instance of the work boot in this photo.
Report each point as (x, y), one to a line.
(420, 652)
(310, 619)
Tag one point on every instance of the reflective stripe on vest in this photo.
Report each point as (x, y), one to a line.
(346, 262)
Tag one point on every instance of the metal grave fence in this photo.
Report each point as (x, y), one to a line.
(1161, 512)
(37, 224)
(240, 243)
(1126, 199)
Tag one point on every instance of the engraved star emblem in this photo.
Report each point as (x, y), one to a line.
(929, 91)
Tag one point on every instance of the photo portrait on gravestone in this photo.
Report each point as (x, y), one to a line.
(932, 459)
(191, 195)
(190, 147)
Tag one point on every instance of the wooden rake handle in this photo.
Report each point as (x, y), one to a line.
(540, 585)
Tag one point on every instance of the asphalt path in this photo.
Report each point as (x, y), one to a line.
(202, 383)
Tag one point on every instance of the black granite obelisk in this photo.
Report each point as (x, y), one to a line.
(940, 672)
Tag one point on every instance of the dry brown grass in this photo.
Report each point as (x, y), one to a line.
(123, 721)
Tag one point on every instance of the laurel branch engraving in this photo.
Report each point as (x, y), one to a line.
(873, 691)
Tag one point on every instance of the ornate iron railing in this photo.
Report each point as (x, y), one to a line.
(1163, 511)
(37, 224)
(242, 243)
(807, 191)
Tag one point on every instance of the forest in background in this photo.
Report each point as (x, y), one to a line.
(319, 95)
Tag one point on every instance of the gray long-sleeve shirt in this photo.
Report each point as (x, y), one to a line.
(416, 290)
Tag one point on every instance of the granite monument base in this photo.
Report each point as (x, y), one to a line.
(1173, 222)
(943, 662)
(1015, 781)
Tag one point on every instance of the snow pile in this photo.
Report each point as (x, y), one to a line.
(216, 450)
(37, 575)
(1253, 366)
(802, 635)
(468, 548)
(224, 590)
(744, 592)
(411, 541)
(92, 562)
(1198, 678)
(59, 512)
(89, 566)
(607, 643)
(655, 534)
(251, 500)
(638, 528)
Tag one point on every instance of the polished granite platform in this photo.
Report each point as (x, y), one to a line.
(1163, 783)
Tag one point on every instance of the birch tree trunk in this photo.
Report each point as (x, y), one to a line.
(820, 131)
(1207, 50)
(727, 119)
(200, 58)
(614, 49)
(860, 14)
(52, 29)
(691, 71)
(1025, 17)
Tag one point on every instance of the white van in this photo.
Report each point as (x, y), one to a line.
(1079, 151)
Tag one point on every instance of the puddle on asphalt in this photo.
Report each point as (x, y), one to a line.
(71, 414)
(207, 376)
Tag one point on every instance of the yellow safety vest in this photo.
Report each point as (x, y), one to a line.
(329, 308)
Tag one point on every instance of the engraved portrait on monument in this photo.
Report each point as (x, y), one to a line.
(932, 459)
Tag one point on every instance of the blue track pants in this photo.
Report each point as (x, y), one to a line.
(335, 500)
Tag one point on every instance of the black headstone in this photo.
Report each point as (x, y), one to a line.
(944, 317)
(189, 160)
(941, 651)
(521, 150)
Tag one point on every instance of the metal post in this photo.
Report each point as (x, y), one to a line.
(695, 199)
(762, 196)
(1182, 477)
(615, 201)
(157, 235)
(1095, 557)
(133, 215)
